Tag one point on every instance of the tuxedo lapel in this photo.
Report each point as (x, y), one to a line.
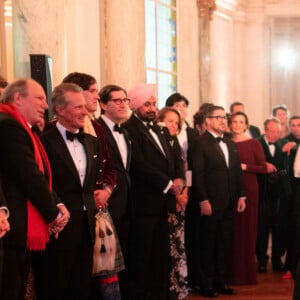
(151, 139)
(112, 142)
(163, 141)
(128, 143)
(231, 150)
(62, 151)
(88, 147)
(216, 146)
(266, 149)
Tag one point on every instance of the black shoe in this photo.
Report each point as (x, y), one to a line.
(209, 292)
(226, 290)
(278, 267)
(262, 269)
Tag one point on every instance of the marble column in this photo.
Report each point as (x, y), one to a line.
(205, 9)
(204, 61)
(38, 28)
(125, 42)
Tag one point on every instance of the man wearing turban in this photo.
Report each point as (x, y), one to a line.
(157, 177)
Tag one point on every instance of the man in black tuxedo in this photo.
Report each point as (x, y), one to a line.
(26, 182)
(107, 174)
(114, 107)
(156, 176)
(296, 229)
(290, 144)
(274, 198)
(75, 159)
(218, 188)
(252, 130)
(186, 139)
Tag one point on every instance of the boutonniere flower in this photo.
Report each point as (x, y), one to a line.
(161, 126)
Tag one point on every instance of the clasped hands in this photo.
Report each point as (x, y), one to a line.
(4, 224)
(62, 219)
(101, 198)
(177, 186)
(206, 209)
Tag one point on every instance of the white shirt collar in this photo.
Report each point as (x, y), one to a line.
(108, 122)
(63, 130)
(214, 135)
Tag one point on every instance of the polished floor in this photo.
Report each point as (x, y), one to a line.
(270, 286)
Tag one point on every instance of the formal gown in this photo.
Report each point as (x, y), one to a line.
(178, 275)
(242, 261)
(178, 288)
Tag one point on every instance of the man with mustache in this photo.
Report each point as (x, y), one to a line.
(156, 176)
(218, 188)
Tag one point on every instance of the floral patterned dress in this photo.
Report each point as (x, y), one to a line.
(178, 280)
(178, 288)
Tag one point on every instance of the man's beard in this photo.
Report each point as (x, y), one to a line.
(150, 116)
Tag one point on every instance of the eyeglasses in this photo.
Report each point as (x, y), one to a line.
(219, 118)
(119, 101)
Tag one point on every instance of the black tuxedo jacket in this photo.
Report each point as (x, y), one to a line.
(151, 170)
(2, 197)
(212, 179)
(67, 185)
(192, 135)
(254, 131)
(119, 201)
(274, 185)
(22, 180)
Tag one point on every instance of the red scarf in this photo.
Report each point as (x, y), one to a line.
(37, 229)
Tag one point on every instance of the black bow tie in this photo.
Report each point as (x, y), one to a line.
(71, 136)
(151, 125)
(270, 143)
(118, 128)
(219, 139)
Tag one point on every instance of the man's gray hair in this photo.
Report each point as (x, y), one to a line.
(58, 97)
(18, 86)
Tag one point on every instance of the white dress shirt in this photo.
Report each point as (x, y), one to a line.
(223, 147)
(119, 138)
(77, 152)
(271, 147)
(155, 137)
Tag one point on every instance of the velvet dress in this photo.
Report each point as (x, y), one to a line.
(241, 269)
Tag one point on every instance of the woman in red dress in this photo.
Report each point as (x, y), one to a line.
(242, 262)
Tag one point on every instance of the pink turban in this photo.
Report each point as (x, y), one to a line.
(141, 94)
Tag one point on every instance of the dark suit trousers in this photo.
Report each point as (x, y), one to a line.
(296, 295)
(149, 258)
(1, 262)
(191, 234)
(215, 237)
(271, 219)
(16, 267)
(291, 255)
(63, 274)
